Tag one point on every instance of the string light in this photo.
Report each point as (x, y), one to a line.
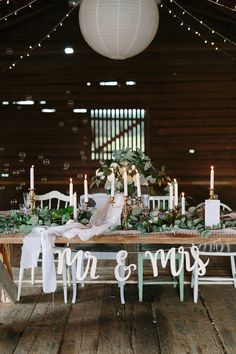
(216, 2)
(15, 12)
(203, 25)
(31, 48)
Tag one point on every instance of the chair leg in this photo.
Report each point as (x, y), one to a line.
(181, 282)
(233, 269)
(64, 278)
(82, 283)
(195, 286)
(140, 277)
(121, 284)
(68, 276)
(21, 275)
(32, 276)
(192, 280)
(74, 282)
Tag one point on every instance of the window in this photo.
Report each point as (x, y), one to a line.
(113, 129)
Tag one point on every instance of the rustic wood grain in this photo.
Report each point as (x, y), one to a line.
(7, 283)
(14, 319)
(128, 329)
(220, 302)
(82, 330)
(46, 325)
(133, 238)
(183, 327)
(127, 237)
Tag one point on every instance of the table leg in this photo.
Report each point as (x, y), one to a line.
(6, 280)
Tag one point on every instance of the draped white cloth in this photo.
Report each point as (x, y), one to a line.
(41, 239)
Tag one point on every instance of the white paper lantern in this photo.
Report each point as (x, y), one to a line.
(118, 29)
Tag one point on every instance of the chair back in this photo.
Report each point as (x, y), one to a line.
(99, 198)
(52, 198)
(222, 206)
(159, 202)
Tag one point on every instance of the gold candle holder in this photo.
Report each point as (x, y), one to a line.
(85, 205)
(173, 212)
(112, 200)
(212, 194)
(139, 202)
(125, 213)
(32, 200)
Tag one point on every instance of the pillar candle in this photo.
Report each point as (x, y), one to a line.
(176, 193)
(75, 207)
(112, 183)
(71, 192)
(182, 204)
(137, 177)
(32, 177)
(170, 196)
(125, 178)
(212, 178)
(85, 189)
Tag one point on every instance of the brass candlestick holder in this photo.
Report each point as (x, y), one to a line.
(125, 213)
(112, 200)
(174, 212)
(139, 202)
(32, 200)
(212, 194)
(85, 205)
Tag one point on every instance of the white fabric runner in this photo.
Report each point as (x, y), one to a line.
(42, 239)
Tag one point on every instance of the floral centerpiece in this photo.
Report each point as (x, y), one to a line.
(133, 161)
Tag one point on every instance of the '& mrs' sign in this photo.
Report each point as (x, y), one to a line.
(123, 272)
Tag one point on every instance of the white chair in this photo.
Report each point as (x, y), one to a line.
(214, 250)
(160, 202)
(222, 206)
(100, 251)
(99, 198)
(62, 200)
(46, 199)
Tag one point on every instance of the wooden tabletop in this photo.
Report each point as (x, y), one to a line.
(130, 237)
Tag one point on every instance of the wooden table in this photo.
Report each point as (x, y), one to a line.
(124, 237)
(129, 237)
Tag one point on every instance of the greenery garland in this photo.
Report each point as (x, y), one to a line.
(139, 219)
(19, 222)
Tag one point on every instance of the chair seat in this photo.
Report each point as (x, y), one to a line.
(100, 247)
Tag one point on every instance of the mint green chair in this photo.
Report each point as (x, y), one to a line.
(175, 281)
(162, 203)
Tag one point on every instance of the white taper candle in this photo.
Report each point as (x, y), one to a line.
(182, 204)
(71, 192)
(125, 178)
(170, 196)
(212, 178)
(32, 177)
(85, 189)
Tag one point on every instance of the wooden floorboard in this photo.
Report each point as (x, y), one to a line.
(183, 327)
(14, 319)
(82, 330)
(221, 306)
(126, 329)
(45, 328)
(98, 324)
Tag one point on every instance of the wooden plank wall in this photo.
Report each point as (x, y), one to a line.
(188, 90)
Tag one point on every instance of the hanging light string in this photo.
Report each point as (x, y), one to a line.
(212, 30)
(197, 33)
(216, 2)
(15, 12)
(37, 45)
